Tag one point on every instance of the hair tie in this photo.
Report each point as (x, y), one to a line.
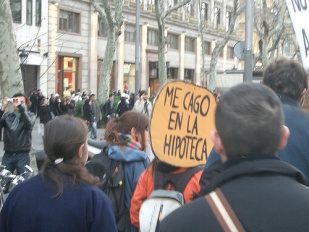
(58, 161)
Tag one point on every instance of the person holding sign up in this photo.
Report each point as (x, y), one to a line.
(256, 191)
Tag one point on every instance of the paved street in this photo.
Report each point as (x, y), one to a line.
(37, 140)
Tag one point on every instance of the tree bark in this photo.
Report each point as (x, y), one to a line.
(220, 45)
(161, 13)
(114, 30)
(10, 72)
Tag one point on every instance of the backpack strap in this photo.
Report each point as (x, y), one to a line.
(179, 180)
(223, 211)
(186, 177)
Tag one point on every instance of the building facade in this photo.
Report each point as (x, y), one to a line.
(71, 41)
(30, 21)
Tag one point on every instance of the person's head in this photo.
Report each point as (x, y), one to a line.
(44, 101)
(64, 100)
(123, 99)
(130, 123)
(52, 96)
(217, 95)
(286, 77)
(19, 99)
(249, 120)
(92, 97)
(111, 97)
(65, 144)
(66, 137)
(57, 98)
(143, 95)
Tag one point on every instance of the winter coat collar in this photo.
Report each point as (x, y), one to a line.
(126, 154)
(256, 166)
(285, 99)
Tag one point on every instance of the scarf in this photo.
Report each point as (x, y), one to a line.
(130, 142)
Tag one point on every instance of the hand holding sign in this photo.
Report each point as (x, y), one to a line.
(182, 118)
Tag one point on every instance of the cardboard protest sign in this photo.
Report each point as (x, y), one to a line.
(182, 118)
(299, 14)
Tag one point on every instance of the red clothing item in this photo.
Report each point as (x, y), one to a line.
(145, 186)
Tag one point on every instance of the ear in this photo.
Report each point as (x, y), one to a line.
(302, 96)
(80, 151)
(218, 144)
(133, 133)
(284, 137)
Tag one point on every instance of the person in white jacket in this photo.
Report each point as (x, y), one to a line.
(143, 105)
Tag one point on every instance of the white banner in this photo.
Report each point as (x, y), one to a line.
(299, 14)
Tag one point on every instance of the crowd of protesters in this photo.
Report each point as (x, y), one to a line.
(256, 174)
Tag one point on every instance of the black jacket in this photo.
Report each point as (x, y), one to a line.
(19, 140)
(87, 111)
(122, 106)
(108, 109)
(45, 114)
(265, 193)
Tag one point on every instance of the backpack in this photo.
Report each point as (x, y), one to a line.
(162, 202)
(111, 174)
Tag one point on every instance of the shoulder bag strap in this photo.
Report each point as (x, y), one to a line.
(224, 212)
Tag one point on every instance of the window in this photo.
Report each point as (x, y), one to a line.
(172, 73)
(172, 41)
(67, 79)
(230, 52)
(153, 37)
(228, 19)
(207, 48)
(171, 3)
(205, 11)
(189, 74)
(16, 10)
(217, 17)
(129, 33)
(189, 10)
(69, 21)
(38, 12)
(189, 44)
(29, 12)
(102, 28)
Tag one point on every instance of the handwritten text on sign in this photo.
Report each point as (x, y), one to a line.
(182, 119)
(299, 14)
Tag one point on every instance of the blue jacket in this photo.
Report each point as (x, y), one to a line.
(31, 206)
(296, 151)
(134, 163)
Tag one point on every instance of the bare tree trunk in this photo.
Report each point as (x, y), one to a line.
(114, 30)
(201, 28)
(271, 26)
(161, 13)
(220, 45)
(162, 43)
(10, 73)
